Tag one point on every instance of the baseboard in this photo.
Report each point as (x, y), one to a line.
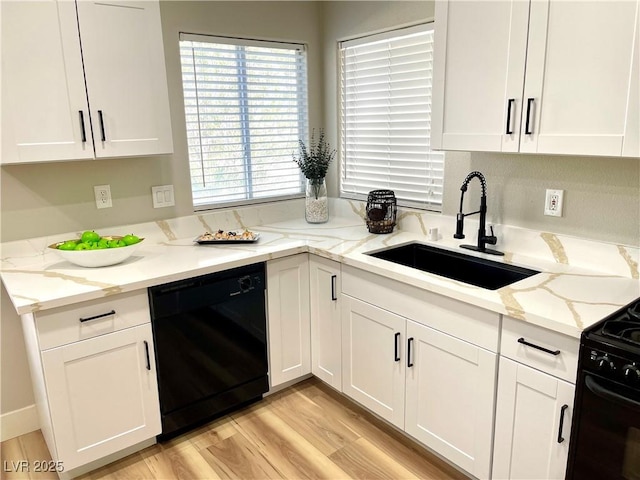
(284, 385)
(18, 422)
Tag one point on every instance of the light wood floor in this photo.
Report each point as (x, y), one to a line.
(305, 431)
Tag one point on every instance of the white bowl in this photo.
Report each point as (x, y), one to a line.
(97, 258)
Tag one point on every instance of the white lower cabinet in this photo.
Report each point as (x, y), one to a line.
(534, 407)
(437, 388)
(450, 397)
(289, 324)
(103, 394)
(533, 423)
(94, 378)
(372, 358)
(326, 325)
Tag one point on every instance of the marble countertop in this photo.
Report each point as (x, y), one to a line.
(564, 298)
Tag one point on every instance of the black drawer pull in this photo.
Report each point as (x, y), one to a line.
(396, 348)
(560, 437)
(509, 106)
(409, 343)
(146, 349)
(112, 312)
(527, 129)
(82, 129)
(333, 287)
(104, 137)
(538, 347)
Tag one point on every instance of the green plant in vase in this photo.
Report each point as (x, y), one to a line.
(314, 162)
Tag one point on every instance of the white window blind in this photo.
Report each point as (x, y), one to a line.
(386, 118)
(246, 108)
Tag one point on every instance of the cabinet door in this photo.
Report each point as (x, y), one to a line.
(479, 61)
(326, 326)
(289, 323)
(533, 423)
(450, 397)
(43, 94)
(582, 78)
(373, 358)
(103, 394)
(126, 77)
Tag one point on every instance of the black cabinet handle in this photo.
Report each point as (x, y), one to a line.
(409, 343)
(510, 103)
(333, 287)
(104, 137)
(146, 350)
(538, 347)
(527, 129)
(562, 410)
(82, 130)
(95, 317)
(396, 347)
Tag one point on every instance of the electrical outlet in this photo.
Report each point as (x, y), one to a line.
(103, 196)
(162, 196)
(553, 203)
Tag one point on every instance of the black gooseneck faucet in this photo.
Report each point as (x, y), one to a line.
(483, 238)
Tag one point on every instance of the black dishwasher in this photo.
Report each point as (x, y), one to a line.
(211, 345)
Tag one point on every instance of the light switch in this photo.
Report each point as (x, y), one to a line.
(162, 196)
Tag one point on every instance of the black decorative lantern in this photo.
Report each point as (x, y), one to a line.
(381, 211)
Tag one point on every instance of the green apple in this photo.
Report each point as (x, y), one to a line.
(68, 245)
(89, 236)
(130, 239)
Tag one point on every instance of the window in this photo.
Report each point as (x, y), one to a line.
(385, 118)
(246, 108)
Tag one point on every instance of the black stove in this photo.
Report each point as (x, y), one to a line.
(611, 348)
(605, 434)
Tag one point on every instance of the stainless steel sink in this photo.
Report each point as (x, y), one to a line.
(457, 266)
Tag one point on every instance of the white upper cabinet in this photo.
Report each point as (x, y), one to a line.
(126, 77)
(49, 112)
(581, 91)
(582, 72)
(43, 91)
(479, 62)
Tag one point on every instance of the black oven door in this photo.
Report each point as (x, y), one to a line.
(606, 442)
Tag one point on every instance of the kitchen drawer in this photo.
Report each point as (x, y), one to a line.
(60, 326)
(564, 365)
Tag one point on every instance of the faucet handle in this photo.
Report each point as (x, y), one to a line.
(491, 239)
